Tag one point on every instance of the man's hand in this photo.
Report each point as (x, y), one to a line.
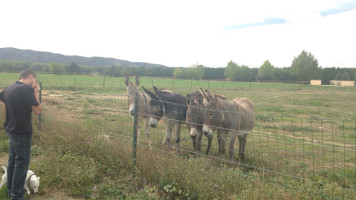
(37, 88)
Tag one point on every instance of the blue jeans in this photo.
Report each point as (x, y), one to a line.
(19, 160)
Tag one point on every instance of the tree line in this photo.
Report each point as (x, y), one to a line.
(304, 67)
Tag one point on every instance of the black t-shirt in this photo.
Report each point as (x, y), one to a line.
(18, 98)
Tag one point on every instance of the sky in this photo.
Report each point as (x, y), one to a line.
(183, 33)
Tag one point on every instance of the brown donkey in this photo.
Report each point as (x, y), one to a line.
(229, 118)
(195, 120)
(143, 109)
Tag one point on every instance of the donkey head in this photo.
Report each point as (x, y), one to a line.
(156, 108)
(213, 117)
(195, 112)
(131, 90)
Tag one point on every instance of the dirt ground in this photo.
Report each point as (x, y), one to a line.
(57, 195)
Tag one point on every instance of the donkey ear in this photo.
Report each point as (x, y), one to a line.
(203, 94)
(210, 96)
(200, 100)
(137, 80)
(153, 96)
(127, 81)
(188, 99)
(155, 90)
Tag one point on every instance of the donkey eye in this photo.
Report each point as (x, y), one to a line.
(210, 114)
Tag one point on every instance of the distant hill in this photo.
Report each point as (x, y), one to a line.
(48, 57)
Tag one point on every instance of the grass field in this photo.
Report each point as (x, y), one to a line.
(303, 145)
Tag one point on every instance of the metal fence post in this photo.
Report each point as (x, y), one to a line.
(104, 82)
(40, 98)
(134, 137)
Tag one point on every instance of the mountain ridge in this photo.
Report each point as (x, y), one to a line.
(10, 53)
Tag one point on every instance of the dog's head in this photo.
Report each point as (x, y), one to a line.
(35, 183)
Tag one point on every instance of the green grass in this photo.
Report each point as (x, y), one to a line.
(302, 146)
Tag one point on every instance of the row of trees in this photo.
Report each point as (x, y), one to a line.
(304, 68)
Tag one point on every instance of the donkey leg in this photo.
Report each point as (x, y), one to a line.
(243, 144)
(222, 143)
(194, 142)
(199, 137)
(168, 136)
(148, 134)
(210, 139)
(165, 121)
(240, 137)
(219, 141)
(177, 127)
(232, 145)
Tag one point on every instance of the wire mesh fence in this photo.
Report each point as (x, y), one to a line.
(96, 82)
(319, 154)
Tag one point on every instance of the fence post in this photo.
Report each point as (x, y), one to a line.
(104, 82)
(134, 137)
(208, 84)
(40, 98)
(74, 81)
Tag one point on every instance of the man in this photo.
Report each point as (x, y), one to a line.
(21, 99)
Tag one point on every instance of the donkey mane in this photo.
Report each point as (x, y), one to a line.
(163, 92)
(219, 96)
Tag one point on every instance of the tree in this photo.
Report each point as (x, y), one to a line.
(213, 73)
(238, 73)
(266, 71)
(194, 72)
(306, 67)
(73, 68)
(284, 74)
(342, 76)
(57, 68)
(178, 73)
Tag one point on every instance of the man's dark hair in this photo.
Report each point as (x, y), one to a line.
(26, 72)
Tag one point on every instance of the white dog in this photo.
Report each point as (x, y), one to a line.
(31, 178)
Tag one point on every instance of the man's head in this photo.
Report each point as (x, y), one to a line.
(28, 76)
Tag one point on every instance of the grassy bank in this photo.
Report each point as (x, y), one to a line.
(84, 165)
(302, 147)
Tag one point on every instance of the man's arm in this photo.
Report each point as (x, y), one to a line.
(37, 109)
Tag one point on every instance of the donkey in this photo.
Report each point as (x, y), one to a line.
(172, 108)
(143, 109)
(195, 120)
(229, 118)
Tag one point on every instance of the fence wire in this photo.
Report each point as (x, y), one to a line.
(279, 148)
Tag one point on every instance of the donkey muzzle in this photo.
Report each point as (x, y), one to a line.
(132, 110)
(153, 122)
(207, 131)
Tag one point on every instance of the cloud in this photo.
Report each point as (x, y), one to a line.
(340, 7)
(268, 21)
